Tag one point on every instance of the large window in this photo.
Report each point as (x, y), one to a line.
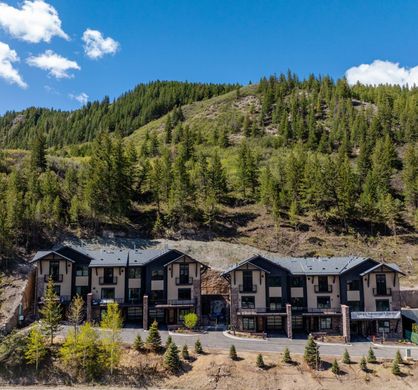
(383, 326)
(248, 302)
(325, 323)
(275, 281)
(275, 303)
(247, 280)
(248, 323)
(296, 281)
(54, 268)
(353, 285)
(133, 295)
(184, 294)
(82, 290)
(184, 273)
(381, 284)
(157, 274)
(322, 284)
(297, 303)
(382, 305)
(134, 273)
(323, 302)
(108, 275)
(156, 295)
(57, 289)
(108, 293)
(354, 305)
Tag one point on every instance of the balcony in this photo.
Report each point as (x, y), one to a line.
(105, 301)
(382, 292)
(184, 281)
(247, 289)
(56, 278)
(259, 310)
(324, 310)
(318, 288)
(103, 280)
(175, 302)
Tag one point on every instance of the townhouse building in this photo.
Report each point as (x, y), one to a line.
(335, 295)
(147, 284)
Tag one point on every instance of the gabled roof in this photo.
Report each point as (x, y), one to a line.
(181, 254)
(42, 254)
(392, 266)
(145, 256)
(243, 262)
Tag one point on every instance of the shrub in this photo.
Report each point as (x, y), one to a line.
(395, 367)
(190, 320)
(363, 364)
(154, 338)
(185, 352)
(346, 357)
(371, 357)
(398, 357)
(198, 347)
(171, 357)
(138, 344)
(233, 352)
(311, 355)
(260, 361)
(335, 368)
(286, 356)
(168, 341)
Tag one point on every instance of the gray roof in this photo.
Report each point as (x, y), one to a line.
(144, 256)
(41, 254)
(109, 258)
(392, 266)
(310, 265)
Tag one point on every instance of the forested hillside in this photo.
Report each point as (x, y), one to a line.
(279, 159)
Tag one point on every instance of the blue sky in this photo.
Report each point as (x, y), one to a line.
(210, 41)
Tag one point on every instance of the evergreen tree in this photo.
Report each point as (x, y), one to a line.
(171, 358)
(50, 312)
(168, 342)
(154, 339)
(335, 368)
(198, 347)
(233, 353)
(398, 357)
(346, 357)
(286, 356)
(38, 153)
(395, 368)
(311, 354)
(75, 313)
(260, 361)
(363, 364)
(138, 344)
(185, 352)
(35, 347)
(371, 357)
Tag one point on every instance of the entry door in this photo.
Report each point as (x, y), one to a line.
(260, 324)
(171, 316)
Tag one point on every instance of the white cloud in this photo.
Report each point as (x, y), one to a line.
(382, 72)
(96, 46)
(7, 72)
(36, 21)
(82, 98)
(55, 64)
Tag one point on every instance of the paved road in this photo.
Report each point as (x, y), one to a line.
(217, 340)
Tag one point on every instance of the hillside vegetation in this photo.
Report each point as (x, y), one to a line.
(293, 166)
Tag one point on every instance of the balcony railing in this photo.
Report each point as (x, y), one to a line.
(247, 289)
(382, 292)
(259, 310)
(56, 278)
(105, 301)
(181, 301)
(323, 288)
(324, 310)
(184, 281)
(103, 280)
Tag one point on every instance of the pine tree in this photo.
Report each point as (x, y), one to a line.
(168, 342)
(138, 344)
(286, 356)
(154, 339)
(198, 347)
(75, 313)
(38, 152)
(371, 357)
(311, 354)
(335, 368)
(171, 358)
(260, 361)
(395, 367)
(185, 352)
(398, 357)
(346, 357)
(50, 312)
(111, 346)
(233, 353)
(363, 364)
(35, 347)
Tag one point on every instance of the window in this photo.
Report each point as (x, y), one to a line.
(134, 273)
(184, 273)
(248, 323)
(54, 268)
(107, 275)
(383, 326)
(296, 281)
(108, 293)
(275, 281)
(274, 323)
(275, 303)
(323, 302)
(322, 284)
(325, 323)
(81, 270)
(381, 284)
(247, 280)
(82, 290)
(382, 305)
(157, 295)
(157, 274)
(57, 289)
(156, 314)
(297, 303)
(184, 294)
(133, 295)
(248, 302)
(354, 305)
(353, 285)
